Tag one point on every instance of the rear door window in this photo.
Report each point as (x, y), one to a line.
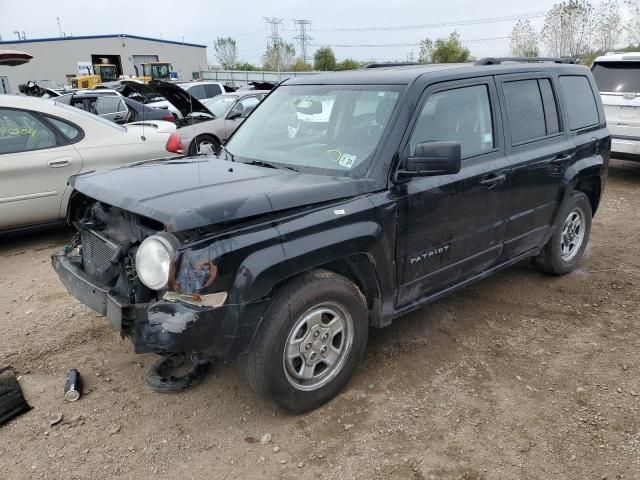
(21, 131)
(197, 91)
(212, 90)
(617, 76)
(580, 101)
(532, 109)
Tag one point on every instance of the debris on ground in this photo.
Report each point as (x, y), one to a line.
(12, 402)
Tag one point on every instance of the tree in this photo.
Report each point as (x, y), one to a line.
(424, 55)
(524, 40)
(279, 56)
(347, 64)
(632, 26)
(246, 66)
(444, 50)
(568, 28)
(608, 24)
(324, 59)
(301, 66)
(226, 52)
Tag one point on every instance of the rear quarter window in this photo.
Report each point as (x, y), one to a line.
(580, 101)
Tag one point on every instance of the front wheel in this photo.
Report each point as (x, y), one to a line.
(569, 240)
(312, 339)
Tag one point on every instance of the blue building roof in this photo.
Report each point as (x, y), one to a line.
(91, 37)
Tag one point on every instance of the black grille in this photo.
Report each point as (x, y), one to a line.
(97, 252)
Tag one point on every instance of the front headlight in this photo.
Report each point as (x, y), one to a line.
(153, 260)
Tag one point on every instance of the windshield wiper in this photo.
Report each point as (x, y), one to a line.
(227, 153)
(262, 163)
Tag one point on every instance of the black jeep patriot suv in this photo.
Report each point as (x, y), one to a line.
(344, 201)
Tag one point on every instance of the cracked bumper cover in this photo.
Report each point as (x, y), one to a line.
(165, 327)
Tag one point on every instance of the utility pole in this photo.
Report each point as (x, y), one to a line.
(59, 27)
(303, 38)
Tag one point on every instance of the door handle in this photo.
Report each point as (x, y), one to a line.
(60, 162)
(563, 157)
(492, 180)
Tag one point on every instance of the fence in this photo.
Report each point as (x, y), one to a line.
(238, 78)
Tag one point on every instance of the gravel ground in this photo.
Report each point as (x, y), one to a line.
(521, 376)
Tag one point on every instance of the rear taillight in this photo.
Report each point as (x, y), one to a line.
(174, 145)
(169, 118)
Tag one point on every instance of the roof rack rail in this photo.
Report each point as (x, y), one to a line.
(500, 60)
(390, 64)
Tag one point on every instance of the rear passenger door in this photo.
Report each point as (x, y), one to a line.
(451, 227)
(539, 152)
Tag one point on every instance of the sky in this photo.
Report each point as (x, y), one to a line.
(199, 21)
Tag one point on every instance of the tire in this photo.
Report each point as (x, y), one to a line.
(204, 139)
(305, 315)
(565, 248)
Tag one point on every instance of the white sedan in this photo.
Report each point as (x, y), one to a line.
(42, 144)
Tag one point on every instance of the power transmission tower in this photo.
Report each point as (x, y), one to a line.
(275, 40)
(303, 38)
(275, 23)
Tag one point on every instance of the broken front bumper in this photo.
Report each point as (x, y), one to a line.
(165, 327)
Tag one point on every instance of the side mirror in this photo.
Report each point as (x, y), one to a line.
(235, 113)
(433, 158)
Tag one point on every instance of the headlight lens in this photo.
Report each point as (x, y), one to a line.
(153, 261)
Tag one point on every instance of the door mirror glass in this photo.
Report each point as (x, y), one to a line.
(236, 112)
(433, 158)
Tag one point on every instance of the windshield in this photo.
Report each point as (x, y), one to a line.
(617, 76)
(220, 105)
(333, 129)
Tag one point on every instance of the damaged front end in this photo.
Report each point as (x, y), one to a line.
(157, 291)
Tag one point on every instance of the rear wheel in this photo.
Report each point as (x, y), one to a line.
(566, 246)
(313, 337)
(205, 145)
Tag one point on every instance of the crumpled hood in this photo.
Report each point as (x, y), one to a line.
(195, 192)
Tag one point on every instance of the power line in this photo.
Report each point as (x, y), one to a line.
(303, 38)
(437, 25)
(402, 45)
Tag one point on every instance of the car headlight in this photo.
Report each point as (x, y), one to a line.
(153, 260)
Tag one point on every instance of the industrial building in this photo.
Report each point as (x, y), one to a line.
(60, 59)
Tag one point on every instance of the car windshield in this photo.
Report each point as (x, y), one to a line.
(220, 105)
(617, 76)
(330, 129)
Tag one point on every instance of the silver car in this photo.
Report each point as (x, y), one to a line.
(206, 125)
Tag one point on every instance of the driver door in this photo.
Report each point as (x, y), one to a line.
(451, 227)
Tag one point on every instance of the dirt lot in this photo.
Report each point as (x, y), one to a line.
(520, 376)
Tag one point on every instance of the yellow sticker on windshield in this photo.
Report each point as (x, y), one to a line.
(334, 155)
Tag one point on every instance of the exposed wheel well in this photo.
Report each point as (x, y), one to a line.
(591, 187)
(358, 269)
